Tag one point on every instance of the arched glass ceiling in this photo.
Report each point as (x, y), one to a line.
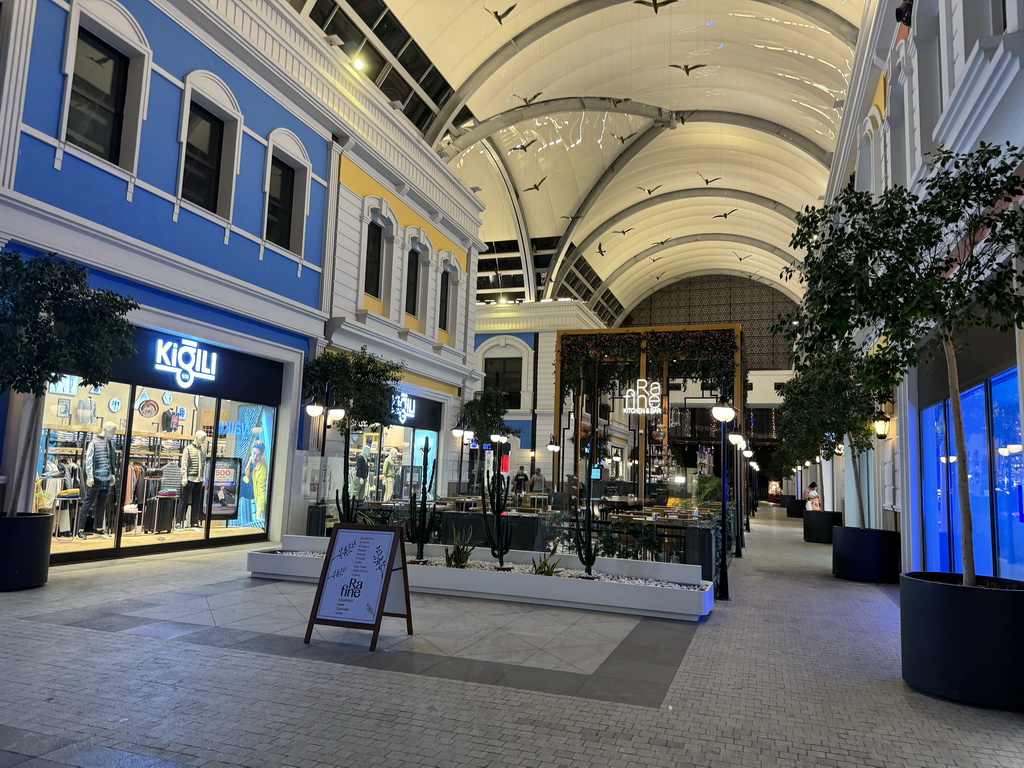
(768, 79)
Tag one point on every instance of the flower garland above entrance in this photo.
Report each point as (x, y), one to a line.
(693, 354)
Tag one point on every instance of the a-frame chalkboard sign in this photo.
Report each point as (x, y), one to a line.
(364, 579)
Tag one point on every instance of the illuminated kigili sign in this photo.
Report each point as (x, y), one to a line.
(186, 360)
(644, 397)
(405, 407)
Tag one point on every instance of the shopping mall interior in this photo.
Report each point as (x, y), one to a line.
(591, 218)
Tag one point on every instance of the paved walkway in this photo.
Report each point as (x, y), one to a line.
(182, 659)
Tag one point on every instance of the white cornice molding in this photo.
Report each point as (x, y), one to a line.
(285, 49)
(422, 362)
(47, 228)
(873, 45)
(536, 316)
(989, 82)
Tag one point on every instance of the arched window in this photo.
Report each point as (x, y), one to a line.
(444, 294)
(412, 282)
(286, 185)
(210, 134)
(374, 260)
(107, 63)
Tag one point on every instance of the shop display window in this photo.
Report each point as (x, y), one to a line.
(935, 488)
(976, 436)
(80, 464)
(185, 467)
(1008, 475)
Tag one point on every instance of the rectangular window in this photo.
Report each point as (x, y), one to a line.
(412, 282)
(442, 302)
(374, 259)
(98, 90)
(505, 374)
(280, 203)
(204, 145)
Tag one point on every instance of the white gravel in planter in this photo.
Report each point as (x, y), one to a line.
(567, 573)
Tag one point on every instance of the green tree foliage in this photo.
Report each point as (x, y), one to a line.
(901, 268)
(362, 383)
(51, 323)
(485, 414)
(831, 398)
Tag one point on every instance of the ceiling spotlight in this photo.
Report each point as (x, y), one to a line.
(334, 40)
(358, 64)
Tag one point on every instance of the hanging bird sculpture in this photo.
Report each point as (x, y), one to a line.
(500, 17)
(535, 187)
(655, 4)
(687, 68)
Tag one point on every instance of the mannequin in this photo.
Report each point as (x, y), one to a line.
(85, 411)
(100, 466)
(193, 474)
(362, 472)
(389, 470)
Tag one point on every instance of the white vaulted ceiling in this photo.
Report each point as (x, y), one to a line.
(621, 138)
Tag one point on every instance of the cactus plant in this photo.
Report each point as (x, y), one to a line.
(424, 517)
(497, 526)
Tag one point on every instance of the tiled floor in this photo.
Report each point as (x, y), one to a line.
(182, 659)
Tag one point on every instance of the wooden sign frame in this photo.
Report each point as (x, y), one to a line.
(395, 562)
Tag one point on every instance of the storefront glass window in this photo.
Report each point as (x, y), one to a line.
(74, 449)
(169, 460)
(976, 436)
(934, 488)
(178, 469)
(1008, 472)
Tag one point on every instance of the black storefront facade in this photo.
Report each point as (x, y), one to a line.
(180, 406)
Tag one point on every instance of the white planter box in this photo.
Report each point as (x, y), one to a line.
(635, 599)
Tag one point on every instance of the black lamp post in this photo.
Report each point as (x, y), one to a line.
(462, 434)
(330, 416)
(723, 413)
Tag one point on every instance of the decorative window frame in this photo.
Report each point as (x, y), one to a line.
(286, 146)
(113, 24)
(213, 94)
(416, 239)
(377, 210)
(510, 346)
(448, 264)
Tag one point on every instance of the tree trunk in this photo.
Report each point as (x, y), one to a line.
(24, 434)
(962, 483)
(862, 518)
(346, 498)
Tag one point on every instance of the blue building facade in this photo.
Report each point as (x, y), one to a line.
(141, 144)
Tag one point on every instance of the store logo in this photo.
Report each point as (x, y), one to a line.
(405, 407)
(186, 360)
(645, 397)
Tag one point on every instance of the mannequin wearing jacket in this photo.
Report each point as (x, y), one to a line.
(193, 475)
(100, 466)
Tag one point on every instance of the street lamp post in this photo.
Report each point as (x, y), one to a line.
(723, 413)
(462, 434)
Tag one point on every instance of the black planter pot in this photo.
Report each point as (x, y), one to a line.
(963, 643)
(25, 550)
(818, 525)
(866, 554)
(795, 507)
(785, 499)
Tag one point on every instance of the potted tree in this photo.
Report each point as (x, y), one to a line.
(362, 387)
(51, 322)
(829, 403)
(906, 269)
